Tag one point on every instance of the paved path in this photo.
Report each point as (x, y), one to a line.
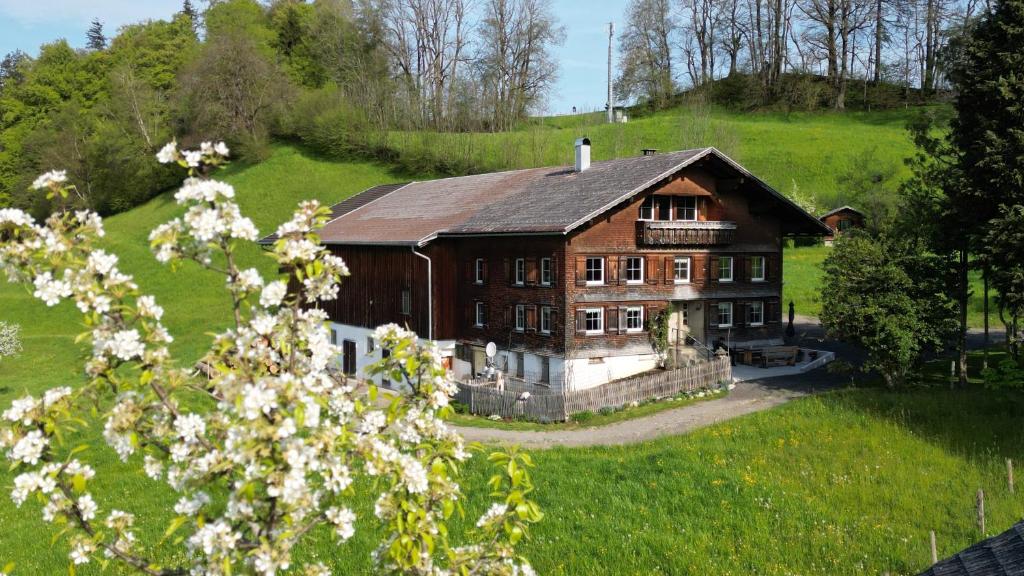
(746, 398)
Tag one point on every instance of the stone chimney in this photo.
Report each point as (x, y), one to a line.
(582, 154)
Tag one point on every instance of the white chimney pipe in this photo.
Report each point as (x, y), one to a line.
(582, 154)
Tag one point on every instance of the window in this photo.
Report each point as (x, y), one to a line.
(757, 268)
(545, 271)
(479, 271)
(845, 224)
(545, 319)
(520, 277)
(595, 271)
(656, 208)
(725, 269)
(406, 301)
(682, 269)
(369, 344)
(686, 208)
(348, 357)
(334, 336)
(755, 313)
(481, 314)
(724, 314)
(635, 319)
(686, 314)
(594, 320)
(520, 317)
(634, 270)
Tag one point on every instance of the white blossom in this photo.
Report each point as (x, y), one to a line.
(51, 178)
(343, 520)
(273, 293)
(168, 154)
(497, 510)
(29, 449)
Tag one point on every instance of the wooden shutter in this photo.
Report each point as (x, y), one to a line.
(469, 270)
(710, 317)
(484, 270)
(652, 269)
(747, 265)
(510, 316)
(611, 319)
(581, 270)
(487, 315)
(469, 317)
(698, 263)
(510, 275)
(670, 269)
(531, 318)
(532, 272)
(553, 325)
(622, 319)
(712, 270)
(621, 268)
(772, 314)
(771, 268)
(554, 270)
(581, 321)
(739, 314)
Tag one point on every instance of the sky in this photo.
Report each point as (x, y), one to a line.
(582, 81)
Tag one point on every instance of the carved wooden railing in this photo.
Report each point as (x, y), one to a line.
(678, 233)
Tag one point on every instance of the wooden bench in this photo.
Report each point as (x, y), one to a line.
(779, 356)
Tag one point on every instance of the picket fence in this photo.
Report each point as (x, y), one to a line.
(545, 405)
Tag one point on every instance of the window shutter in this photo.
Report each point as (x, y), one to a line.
(611, 319)
(581, 270)
(470, 314)
(772, 313)
(510, 317)
(747, 265)
(652, 269)
(670, 269)
(710, 317)
(713, 271)
(531, 318)
(485, 270)
(487, 315)
(622, 319)
(581, 321)
(622, 269)
(510, 276)
(698, 263)
(554, 270)
(553, 325)
(771, 266)
(739, 314)
(532, 272)
(468, 271)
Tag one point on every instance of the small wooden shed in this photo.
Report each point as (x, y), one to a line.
(840, 220)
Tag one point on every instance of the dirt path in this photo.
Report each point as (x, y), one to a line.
(746, 398)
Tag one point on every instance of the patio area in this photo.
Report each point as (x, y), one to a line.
(742, 372)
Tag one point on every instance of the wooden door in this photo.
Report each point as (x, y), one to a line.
(348, 357)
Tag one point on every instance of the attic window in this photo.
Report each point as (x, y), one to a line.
(686, 208)
(656, 208)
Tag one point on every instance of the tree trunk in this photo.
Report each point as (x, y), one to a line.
(964, 295)
(984, 360)
(879, 33)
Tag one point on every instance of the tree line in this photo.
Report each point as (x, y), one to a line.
(337, 75)
(669, 44)
(902, 291)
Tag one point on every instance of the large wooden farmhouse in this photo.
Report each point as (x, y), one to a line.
(563, 268)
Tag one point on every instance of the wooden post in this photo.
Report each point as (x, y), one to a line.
(935, 553)
(981, 511)
(1009, 474)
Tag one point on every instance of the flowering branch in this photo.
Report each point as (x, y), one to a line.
(272, 433)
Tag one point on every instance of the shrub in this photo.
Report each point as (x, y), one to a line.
(583, 417)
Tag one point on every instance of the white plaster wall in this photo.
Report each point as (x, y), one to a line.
(359, 335)
(582, 373)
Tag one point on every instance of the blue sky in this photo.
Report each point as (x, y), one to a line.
(25, 24)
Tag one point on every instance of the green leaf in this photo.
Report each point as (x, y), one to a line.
(78, 483)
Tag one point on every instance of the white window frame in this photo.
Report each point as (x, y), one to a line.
(519, 272)
(689, 266)
(520, 319)
(545, 319)
(760, 310)
(718, 315)
(546, 273)
(479, 271)
(764, 265)
(479, 316)
(586, 271)
(650, 206)
(639, 309)
(675, 209)
(732, 268)
(631, 259)
(600, 321)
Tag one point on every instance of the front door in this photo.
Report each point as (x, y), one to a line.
(686, 321)
(348, 357)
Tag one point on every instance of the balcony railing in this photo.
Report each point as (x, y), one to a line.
(682, 233)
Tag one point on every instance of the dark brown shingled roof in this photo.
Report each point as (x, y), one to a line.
(1001, 555)
(535, 201)
(838, 210)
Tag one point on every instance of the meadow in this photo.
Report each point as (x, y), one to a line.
(842, 483)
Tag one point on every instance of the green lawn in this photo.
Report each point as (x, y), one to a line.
(802, 276)
(812, 151)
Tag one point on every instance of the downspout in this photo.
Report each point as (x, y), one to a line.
(430, 294)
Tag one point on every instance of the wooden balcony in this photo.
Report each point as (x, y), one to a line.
(683, 233)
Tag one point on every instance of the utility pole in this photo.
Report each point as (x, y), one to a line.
(611, 97)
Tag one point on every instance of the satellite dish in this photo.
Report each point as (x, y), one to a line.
(491, 350)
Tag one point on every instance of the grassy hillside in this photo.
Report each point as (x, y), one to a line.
(811, 151)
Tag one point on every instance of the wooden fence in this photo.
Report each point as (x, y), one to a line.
(545, 405)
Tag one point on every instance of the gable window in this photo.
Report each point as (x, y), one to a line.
(545, 271)
(634, 270)
(595, 270)
(681, 268)
(479, 271)
(406, 301)
(686, 208)
(656, 208)
(635, 319)
(480, 317)
(545, 319)
(594, 320)
(755, 313)
(725, 269)
(845, 224)
(757, 268)
(520, 272)
(724, 314)
(520, 317)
